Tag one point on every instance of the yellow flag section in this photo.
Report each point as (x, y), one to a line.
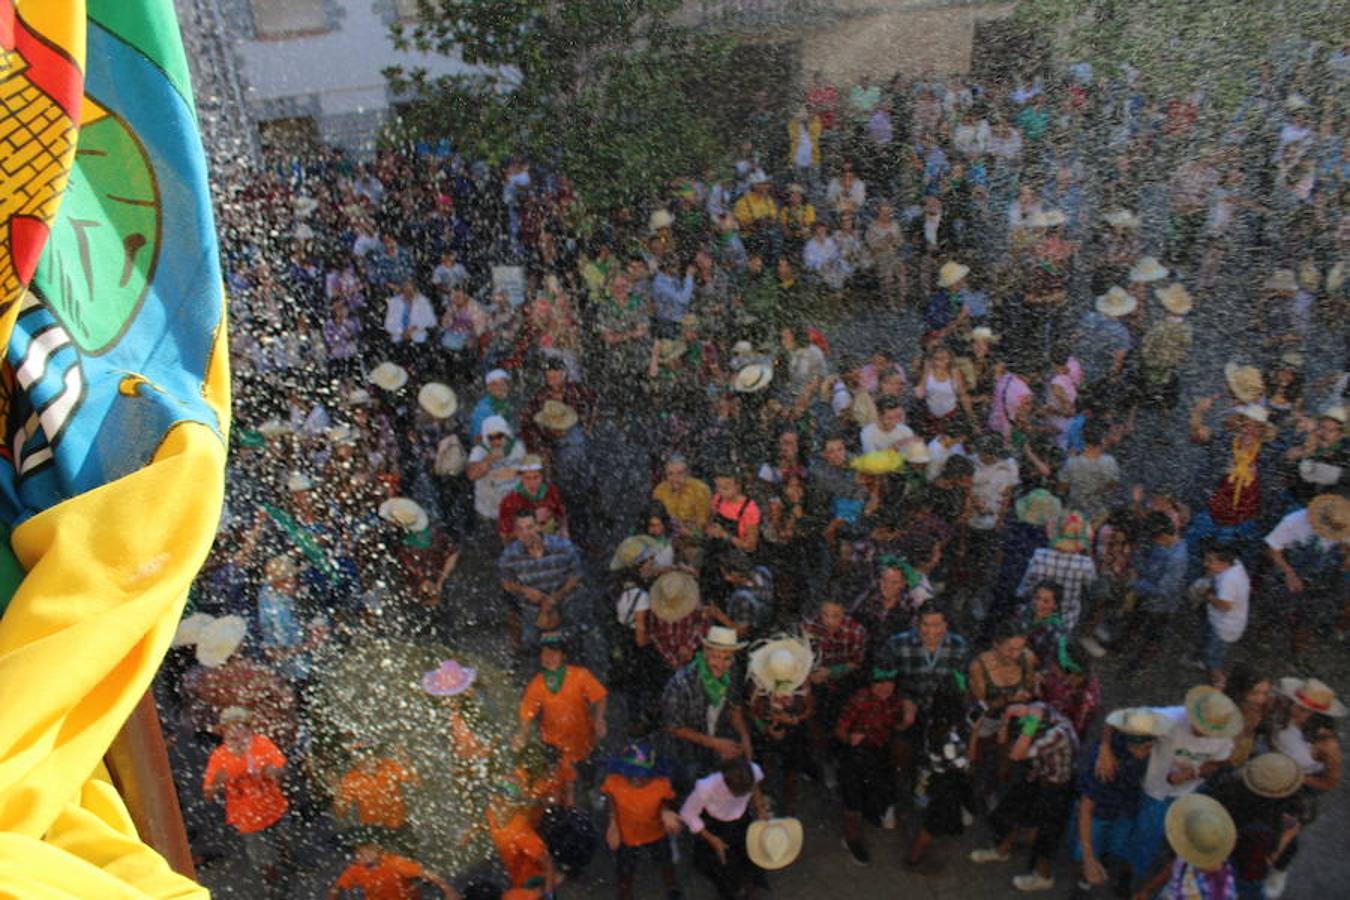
(114, 405)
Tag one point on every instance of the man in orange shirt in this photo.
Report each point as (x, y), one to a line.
(371, 792)
(523, 852)
(248, 768)
(640, 817)
(568, 702)
(385, 876)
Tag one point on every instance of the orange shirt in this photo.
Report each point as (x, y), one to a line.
(252, 800)
(377, 795)
(565, 717)
(391, 878)
(637, 810)
(521, 849)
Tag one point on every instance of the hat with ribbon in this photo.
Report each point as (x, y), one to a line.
(1312, 694)
(1211, 712)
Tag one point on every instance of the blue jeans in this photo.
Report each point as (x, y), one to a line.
(1216, 648)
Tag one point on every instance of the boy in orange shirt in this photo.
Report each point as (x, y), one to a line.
(523, 852)
(247, 767)
(371, 791)
(385, 876)
(567, 701)
(640, 818)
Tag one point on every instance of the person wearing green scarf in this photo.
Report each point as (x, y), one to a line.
(567, 701)
(702, 708)
(532, 493)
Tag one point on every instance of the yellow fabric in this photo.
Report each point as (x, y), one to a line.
(1244, 466)
(813, 128)
(751, 208)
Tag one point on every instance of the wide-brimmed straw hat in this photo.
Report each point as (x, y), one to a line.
(438, 400)
(449, 679)
(1038, 507)
(674, 596)
(1244, 382)
(915, 452)
(1139, 721)
(633, 551)
(218, 641)
(405, 513)
(388, 375)
(1121, 218)
(952, 272)
(721, 638)
(1272, 775)
(1116, 302)
(661, 218)
(1211, 712)
(556, 416)
(983, 333)
(1335, 412)
(1283, 281)
(774, 843)
(752, 378)
(232, 715)
(1310, 693)
(1201, 831)
(1329, 517)
(1147, 268)
(781, 665)
(1175, 299)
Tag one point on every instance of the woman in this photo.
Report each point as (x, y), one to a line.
(1253, 695)
(942, 388)
(1061, 394)
(735, 518)
(1003, 674)
(822, 256)
(1068, 685)
(846, 193)
(787, 540)
(885, 244)
(1041, 622)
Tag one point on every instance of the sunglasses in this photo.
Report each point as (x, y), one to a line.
(496, 437)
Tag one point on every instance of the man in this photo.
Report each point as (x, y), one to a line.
(539, 432)
(717, 813)
(568, 702)
(672, 297)
(1102, 340)
(371, 791)
(992, 487)
(496, 402)
(889, 431)
(1157, 580)
(702, 708)
(532, 495)
(390, 264)
(623, 320)
(1309, 548)
(408, 319)
(1065, 562)
(247, 769)
(1227, 599)
(539, 572)
(744, 600)
(688, 501)
(757, 214)
(932, 238)
(864, 735)
(1088, 480)
(928, 657)
(379, 875)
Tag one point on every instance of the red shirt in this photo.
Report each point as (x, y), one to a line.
(516, 502)
(391, 878)
(875, 718)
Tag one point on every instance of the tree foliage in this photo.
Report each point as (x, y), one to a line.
(610, 89)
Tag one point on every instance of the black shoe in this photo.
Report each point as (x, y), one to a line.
(859, 852)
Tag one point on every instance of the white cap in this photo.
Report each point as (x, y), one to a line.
(496, 375)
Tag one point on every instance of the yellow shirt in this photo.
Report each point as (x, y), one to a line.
(752, 208)
(690, 507)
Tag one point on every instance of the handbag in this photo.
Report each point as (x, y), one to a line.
(450, 457)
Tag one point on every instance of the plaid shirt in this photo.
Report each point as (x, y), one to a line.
(1073, 572)
(678, 641)
(684, 704)
(846, 645)
(547, 572)
(874, 718)
(922, 673)
(1051, 754)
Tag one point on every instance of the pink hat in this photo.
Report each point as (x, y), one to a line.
(449, 679)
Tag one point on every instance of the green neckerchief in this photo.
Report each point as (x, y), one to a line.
(302, 538)
(418, 539)
(533, 498)
(632, 303)
(715, 688)
(1051, 621)
(553, 678)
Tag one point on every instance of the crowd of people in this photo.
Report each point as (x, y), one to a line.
(735, 553)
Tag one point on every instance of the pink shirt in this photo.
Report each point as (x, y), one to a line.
(1010, 393)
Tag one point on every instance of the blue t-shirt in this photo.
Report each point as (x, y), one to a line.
(1119, 797)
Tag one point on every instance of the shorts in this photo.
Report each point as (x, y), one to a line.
(264, 849)
(627, 858)
(1216, 648)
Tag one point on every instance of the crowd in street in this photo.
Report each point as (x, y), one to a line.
(892, 573)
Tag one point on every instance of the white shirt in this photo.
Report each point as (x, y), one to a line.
(1293, 530)
(938, 454)
(500, 480)
(1232, 585)
(1181, 746)
(989, 486)
(804, 147)
(873, 438)
(419, 318)
(710, 795)
(630, 603)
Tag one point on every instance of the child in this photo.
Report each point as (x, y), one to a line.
(640, 817)
(866, 732)
(944, 789)
(376, 873)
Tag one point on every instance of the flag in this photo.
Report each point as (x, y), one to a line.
(114, 402)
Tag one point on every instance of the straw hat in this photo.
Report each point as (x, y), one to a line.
(1254, 411)
(1335, 412)
(774, 843)
(915, 452)
(1282, 281)
(1053, 217)
(438, 400)
(1038, 507)
(983, 333)
(1139, 721)
(878, 462)
(1292, 359)
(1272, 775)
(674, 596)
(341, 435)
(299, 482)
(274, 428)
(796, 188)
(358, 397)
(661, 218)
(1310, 693)
(1174, 298)
(449, 679)
(279, 567)
(1147, 268)
(1201, 831)
(1244, 382)
(781, 665)
(1121, 218)
(1329, 517)
(1309, 278)
(218, 640)
(388, 375)
(191, 629)
(232, 715)
(1038, 220)
(405, 513)
(951, 272)
(632, 551)
(719, 638)
(1211, 712)
(1071, 533)
(752, 378)
(1117, 302)
(555, 416)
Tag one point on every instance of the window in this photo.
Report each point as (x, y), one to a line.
(279, 18)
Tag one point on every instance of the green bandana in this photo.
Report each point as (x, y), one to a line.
(715, 688)
(533, 498)
(1065, 662)
(419, 539)
(553, 678)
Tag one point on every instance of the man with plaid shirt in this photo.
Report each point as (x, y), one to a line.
(840, 645)
(539, 572)
(927, 657)
(1066, 563)
(1043, 800)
